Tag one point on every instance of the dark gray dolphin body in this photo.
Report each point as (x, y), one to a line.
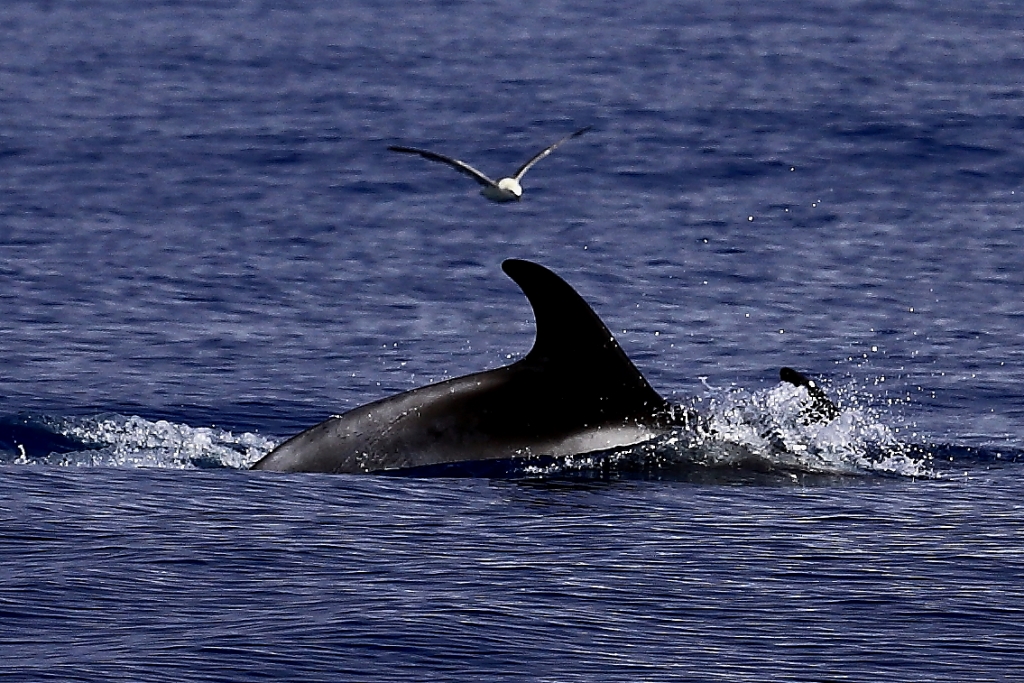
(575, 392)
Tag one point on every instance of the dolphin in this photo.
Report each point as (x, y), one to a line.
(575, 392)
(503, 190)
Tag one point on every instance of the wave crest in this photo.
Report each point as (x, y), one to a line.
(120, 441)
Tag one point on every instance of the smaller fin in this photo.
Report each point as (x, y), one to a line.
(822, 409)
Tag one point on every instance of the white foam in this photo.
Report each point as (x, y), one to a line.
(137, 442)
(772, 425)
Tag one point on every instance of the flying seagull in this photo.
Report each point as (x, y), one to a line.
(504, 190)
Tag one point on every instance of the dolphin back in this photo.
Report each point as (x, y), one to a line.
(576, 391)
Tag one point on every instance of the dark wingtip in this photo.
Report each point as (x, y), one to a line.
(581, 131)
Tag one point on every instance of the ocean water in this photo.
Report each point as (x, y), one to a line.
(206, 247)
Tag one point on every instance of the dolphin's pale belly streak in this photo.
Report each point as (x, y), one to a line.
(333, 447)
(575, 392)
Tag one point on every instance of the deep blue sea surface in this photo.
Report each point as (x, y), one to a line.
(206, 247)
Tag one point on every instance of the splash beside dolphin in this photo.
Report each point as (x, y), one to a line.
(575, 392)
(820, 409)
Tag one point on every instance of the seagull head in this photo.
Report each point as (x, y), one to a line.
(508, 190)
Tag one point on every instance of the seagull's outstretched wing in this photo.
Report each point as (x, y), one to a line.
(543, 153)
(460, 166)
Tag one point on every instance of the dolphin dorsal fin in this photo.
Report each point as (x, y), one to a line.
(573, 342)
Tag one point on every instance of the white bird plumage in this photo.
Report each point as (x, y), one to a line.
(505, 189)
